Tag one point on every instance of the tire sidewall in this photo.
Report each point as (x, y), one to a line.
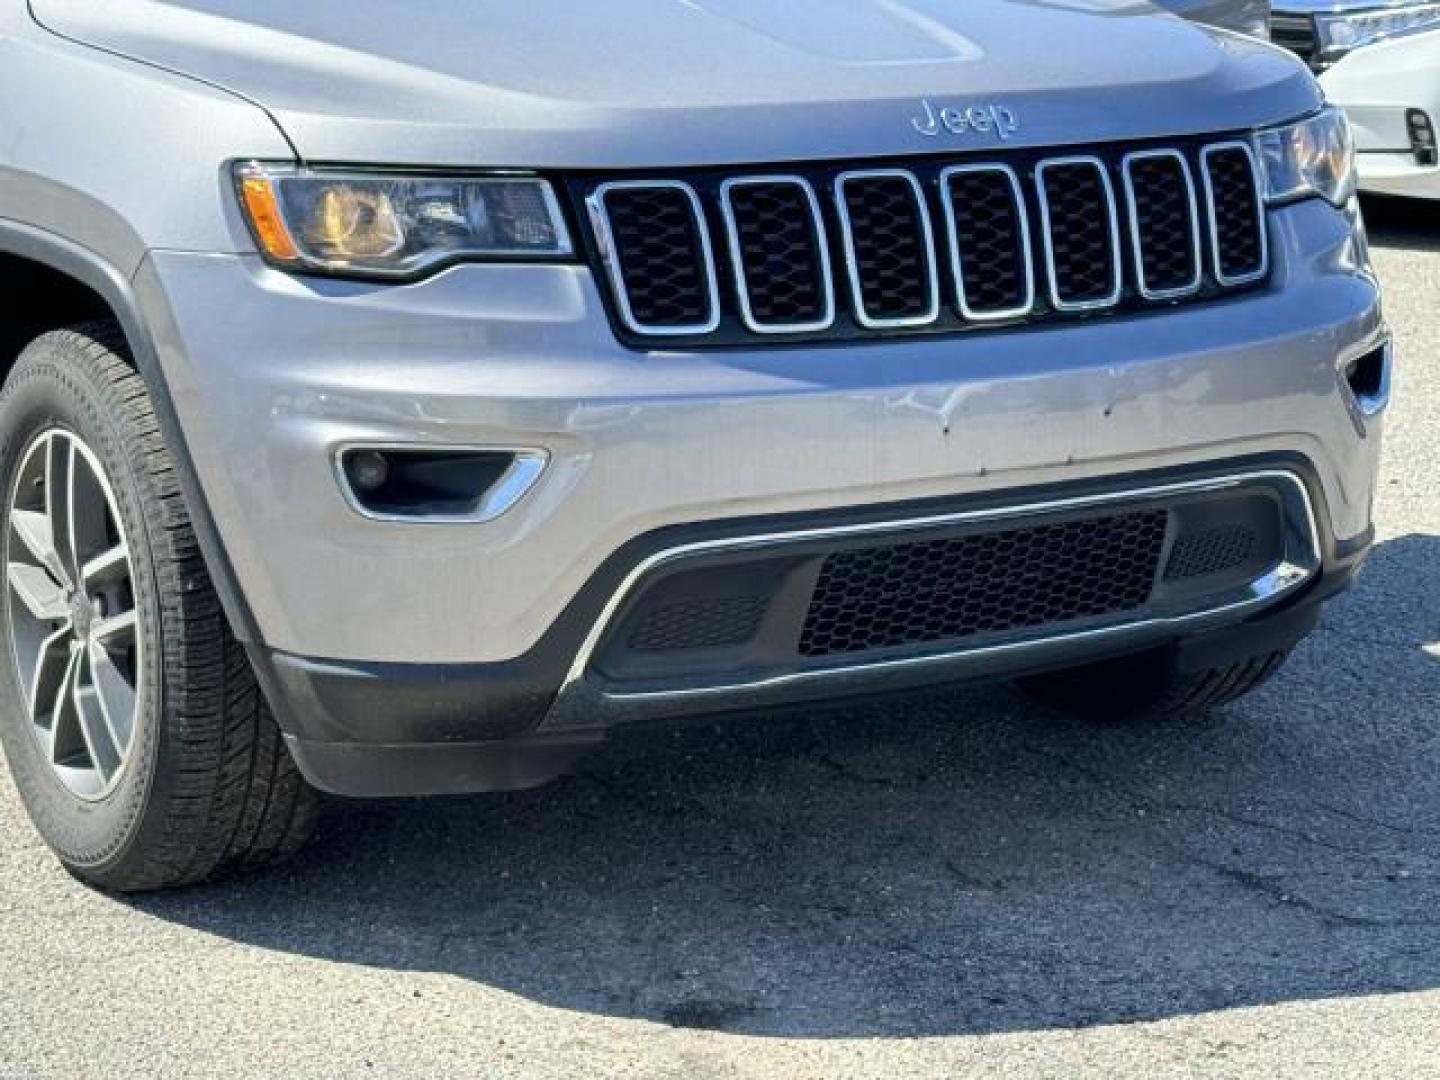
(56, 384)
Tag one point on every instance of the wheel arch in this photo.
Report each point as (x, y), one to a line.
(59, 283)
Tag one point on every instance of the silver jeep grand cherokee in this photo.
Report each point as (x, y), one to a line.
(396, 400)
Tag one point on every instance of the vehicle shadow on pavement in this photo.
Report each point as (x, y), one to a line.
(1403, 224)
(964, 863)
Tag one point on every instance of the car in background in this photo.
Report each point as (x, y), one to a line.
(1382, 64)
(1243, 16)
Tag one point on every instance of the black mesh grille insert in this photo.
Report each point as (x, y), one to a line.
(660, 256)
(1238, 221)
(779, 254)
(1163, 204)
(887, 236)
(699, 624)
(992, 583)
(1081, 241)
(833, 252)
(988, 241)
(1210, 552)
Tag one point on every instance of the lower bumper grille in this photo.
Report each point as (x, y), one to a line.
(838, 597)
(950, 590)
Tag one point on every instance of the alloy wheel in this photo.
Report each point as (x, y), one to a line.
(74, 626)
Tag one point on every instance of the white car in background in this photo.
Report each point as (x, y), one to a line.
(1382, 63)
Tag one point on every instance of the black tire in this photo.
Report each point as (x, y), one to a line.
(1149, 686)
(208, 785)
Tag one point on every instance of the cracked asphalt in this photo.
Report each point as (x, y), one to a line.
(960, 884)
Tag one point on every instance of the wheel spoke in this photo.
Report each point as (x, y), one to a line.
(37, 590)
(87, 512)
(59, 469)
(51, 669)
(114, 694)
(65, 738)
(32, 527)
(110, 565)
(101, 744)
(112, 631)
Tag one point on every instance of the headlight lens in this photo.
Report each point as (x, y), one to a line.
(1341, 33)
(1312, 157)
(383, 225)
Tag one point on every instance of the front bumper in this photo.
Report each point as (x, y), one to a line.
(387, 729)
(1397, 174)
(269, 374)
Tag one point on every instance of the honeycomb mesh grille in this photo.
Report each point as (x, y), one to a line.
(1082, 245)
(993, 583)
(827, 252)
(887, 234)
(1165, 223)
(778, 248)
(989, 241)
(1238, 222)
(661, 257)
(1204, 553)
(699, 624)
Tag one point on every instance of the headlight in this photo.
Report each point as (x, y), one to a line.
(1340, 34)
(382, 225)
(1312, 157)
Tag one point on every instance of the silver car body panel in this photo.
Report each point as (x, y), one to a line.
(492, 355)
(116, 156)
(552, 83)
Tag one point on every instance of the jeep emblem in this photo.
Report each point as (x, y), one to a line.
(974, 120)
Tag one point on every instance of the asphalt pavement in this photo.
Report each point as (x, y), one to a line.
(957, 885)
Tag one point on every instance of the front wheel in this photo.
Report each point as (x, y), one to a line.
(140, 744)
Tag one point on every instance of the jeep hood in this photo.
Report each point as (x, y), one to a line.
(615, 83)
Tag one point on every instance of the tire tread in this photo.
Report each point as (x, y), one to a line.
(232, 798)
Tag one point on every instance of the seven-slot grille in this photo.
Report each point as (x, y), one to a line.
(826, 254)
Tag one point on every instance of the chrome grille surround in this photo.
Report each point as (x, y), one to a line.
(737, 257)
(898, 255)
(1022, 217)
(1137, 250)
(1049, 219)
(604, 231)
(1262, 232)
(852, 266)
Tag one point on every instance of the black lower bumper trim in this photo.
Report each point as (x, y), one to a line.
(370, 771)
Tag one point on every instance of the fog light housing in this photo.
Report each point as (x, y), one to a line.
(368, 470)
(422, 484)
(1422, 137)
(1368, 377)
